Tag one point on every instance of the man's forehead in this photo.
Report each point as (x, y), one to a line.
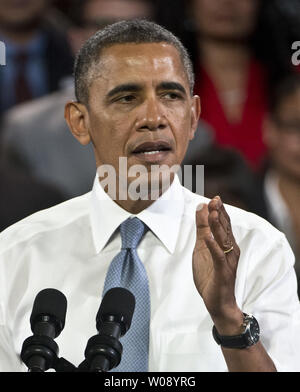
(123, 59)
(142, 48)
(131, 55)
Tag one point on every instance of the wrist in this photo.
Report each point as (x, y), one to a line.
(229, 324)
(241, 338)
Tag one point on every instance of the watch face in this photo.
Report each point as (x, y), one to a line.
(253, 330)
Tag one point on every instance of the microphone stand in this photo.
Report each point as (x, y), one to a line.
(46, 349)
(62, 365)
(103, 351)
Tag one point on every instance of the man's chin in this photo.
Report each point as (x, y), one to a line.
(137, 181)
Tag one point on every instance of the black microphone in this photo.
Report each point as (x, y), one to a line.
(39, 352)
(104, 351)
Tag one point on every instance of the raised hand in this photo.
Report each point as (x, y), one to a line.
(215, 261)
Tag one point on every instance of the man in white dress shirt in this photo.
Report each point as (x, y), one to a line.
(134, 100)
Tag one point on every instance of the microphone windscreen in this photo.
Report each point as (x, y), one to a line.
(118, 302)
(50, 302)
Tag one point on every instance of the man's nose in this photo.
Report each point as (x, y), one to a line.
(151, 117)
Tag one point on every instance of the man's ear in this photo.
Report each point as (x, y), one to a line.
(195, 114)
(77, 118)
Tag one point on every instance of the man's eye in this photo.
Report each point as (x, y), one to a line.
(126, 99)
(172, 96)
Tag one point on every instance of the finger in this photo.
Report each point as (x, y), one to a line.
(202, 220)
(221, 228)
(216, 252)
(220, 235)
(231, 239)
(221, 261)
(223, 239)
(224, 219)
(234, 255)
(202, 225)
(216, 204)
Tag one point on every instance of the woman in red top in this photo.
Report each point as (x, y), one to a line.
(242, 48)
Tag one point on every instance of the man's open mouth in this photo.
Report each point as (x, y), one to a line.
(152, 148)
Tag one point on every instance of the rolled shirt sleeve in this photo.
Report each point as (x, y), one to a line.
(270, 293)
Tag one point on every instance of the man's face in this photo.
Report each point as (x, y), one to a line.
(140, 106)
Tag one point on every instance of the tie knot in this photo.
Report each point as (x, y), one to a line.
(132, 231)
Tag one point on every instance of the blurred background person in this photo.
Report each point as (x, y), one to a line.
(240, 48)
(22, 195)
(281, 177)
(88, 16)
(35, 135)
(227, 174)
(38, 55)
(36, 138)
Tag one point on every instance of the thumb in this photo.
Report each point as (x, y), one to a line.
(203, 229)
(202, 220)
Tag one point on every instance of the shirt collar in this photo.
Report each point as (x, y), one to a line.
(163, 217)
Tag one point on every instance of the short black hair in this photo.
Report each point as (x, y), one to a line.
(128, 31)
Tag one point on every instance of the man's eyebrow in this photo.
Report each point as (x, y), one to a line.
(172, 86)
(127, 87)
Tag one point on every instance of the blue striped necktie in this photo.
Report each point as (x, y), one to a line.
(126, 270)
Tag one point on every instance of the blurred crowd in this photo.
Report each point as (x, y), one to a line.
(249, 133)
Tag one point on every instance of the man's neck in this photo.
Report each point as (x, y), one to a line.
(136, 206)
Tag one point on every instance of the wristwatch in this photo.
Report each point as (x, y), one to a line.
(247, 338)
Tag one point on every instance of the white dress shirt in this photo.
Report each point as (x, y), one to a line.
(70, 246)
